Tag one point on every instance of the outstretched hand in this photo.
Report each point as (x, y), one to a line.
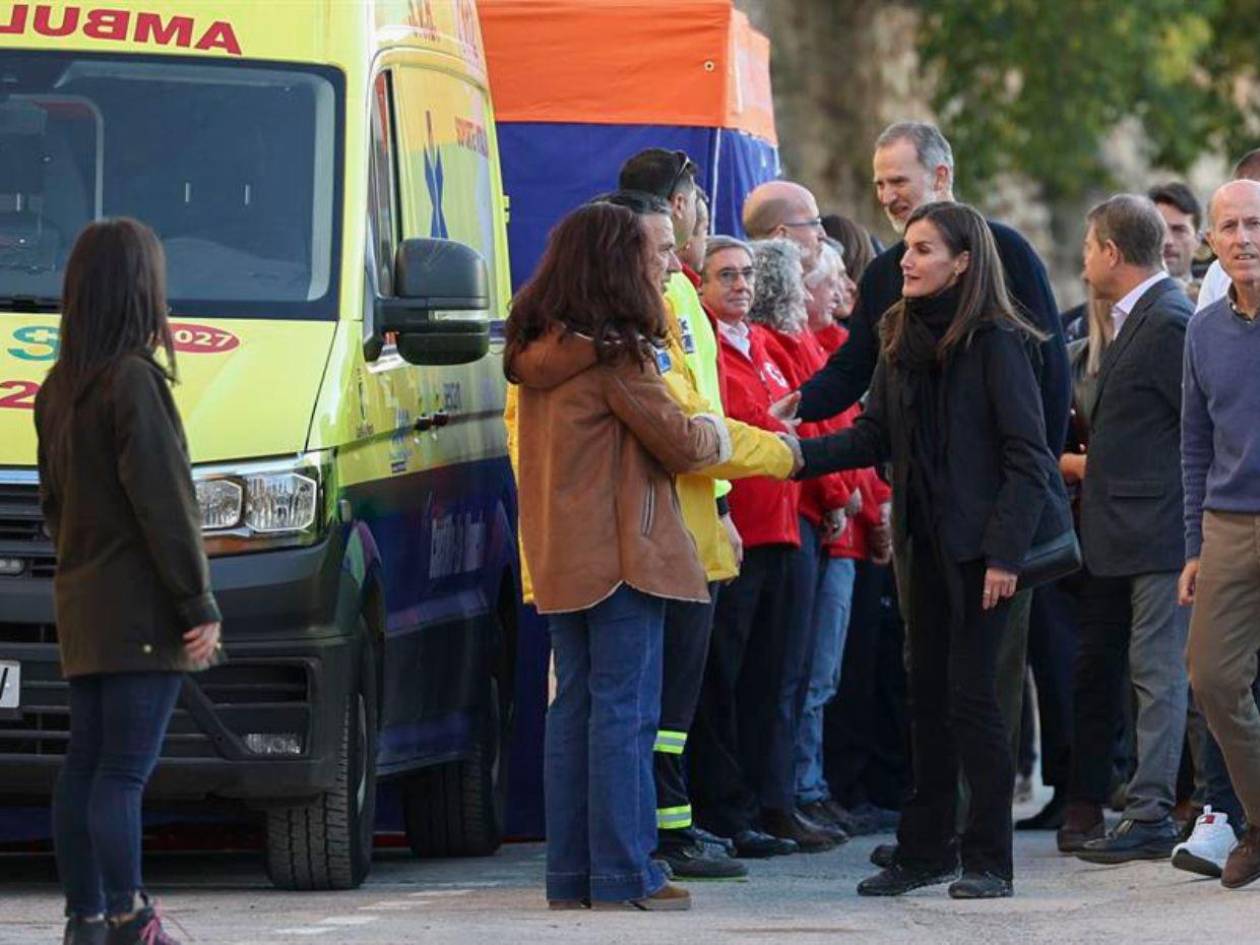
(785, 410)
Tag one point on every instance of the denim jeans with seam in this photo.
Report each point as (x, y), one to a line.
(117, 723)
(831, 622)
(600, 792)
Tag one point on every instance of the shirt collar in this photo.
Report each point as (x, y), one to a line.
(1232, 296)
(737, 334)
(1125, 306)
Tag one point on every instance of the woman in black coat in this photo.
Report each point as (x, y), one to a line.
(132, 589)
(955, 405)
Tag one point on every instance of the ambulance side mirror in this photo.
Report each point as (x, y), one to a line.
(433, 276)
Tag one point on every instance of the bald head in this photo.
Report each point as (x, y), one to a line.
(1231, 196)
(780, 208)
(1235, 230)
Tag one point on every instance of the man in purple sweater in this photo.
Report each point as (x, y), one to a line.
(1220, 455)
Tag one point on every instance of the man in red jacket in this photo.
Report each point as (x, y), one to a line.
(742, 744)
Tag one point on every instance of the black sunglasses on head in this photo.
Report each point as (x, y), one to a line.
(684, 163)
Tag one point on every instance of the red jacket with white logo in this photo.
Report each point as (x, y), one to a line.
(800, 356)
(764, 509)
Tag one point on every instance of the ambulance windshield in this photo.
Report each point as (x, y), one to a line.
(236, 166)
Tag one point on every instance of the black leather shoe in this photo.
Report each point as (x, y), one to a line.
(789, 825)
(841, 816)
(980, 886)
(898, 879)
(1049, 817)
(755, 845)
(1133, 840)
(697, 861)
(1082, 822)
(884, 855)
(821, 820)
(82, 932)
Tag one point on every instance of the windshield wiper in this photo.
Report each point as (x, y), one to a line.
(29, 303)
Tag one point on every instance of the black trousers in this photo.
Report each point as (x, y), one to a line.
(865, 729)
(687, 630)
(1052, 646)
(731, 751)
(954, 717)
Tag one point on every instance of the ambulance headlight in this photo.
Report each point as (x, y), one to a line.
(252, 506)
(278, 503)
(221, 502)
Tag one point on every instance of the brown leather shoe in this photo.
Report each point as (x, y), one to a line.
(1082, 822)
(789, 825)
(1243, 865)
(668, 898)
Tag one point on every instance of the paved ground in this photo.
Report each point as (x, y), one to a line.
(801, 900)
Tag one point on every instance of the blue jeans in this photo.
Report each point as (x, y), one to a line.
(831, 621)
(600, 793)
(117, 723)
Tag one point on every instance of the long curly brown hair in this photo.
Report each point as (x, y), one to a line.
(593, 281)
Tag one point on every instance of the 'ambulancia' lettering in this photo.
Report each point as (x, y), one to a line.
(120, 25)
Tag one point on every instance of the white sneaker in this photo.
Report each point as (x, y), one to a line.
(1208, 847)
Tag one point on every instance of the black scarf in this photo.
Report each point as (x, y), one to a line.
(927, 318)
(926, 415)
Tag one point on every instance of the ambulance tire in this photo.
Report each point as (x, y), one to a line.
(328, 844)
(456, 809)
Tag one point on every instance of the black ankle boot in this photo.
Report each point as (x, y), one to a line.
(899, 878)
(981, 886)
(80, 931)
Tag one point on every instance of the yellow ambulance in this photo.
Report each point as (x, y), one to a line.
(324, 178)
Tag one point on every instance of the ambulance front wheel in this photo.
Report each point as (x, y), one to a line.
(327, 844)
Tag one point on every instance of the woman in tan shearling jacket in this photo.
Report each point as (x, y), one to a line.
(600, 439)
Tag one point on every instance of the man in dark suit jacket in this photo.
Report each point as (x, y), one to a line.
(1132, 535)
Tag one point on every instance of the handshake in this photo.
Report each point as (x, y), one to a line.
(784, 411)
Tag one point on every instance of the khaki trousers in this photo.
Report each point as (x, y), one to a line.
(1224, 637)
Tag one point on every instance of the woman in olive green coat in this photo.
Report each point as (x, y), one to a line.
(132, 589)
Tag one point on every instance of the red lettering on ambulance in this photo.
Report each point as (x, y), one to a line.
(17, 20)
(151, 29)
(43, 21)
(107, 24)
(220, 36)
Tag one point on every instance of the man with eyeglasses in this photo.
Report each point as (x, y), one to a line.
(781, 208)
(669, 176)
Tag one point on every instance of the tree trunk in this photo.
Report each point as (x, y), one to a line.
(842, 70)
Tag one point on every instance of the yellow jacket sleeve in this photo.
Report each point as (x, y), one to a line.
(513, 445)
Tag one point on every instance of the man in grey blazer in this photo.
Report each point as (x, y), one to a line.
(1132, 534)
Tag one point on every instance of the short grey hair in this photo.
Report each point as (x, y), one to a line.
(1134, 225)
(779, 292)
(716, 244)
(830, 260)
(930, 146)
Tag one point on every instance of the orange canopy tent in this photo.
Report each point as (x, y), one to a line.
(580, 85)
